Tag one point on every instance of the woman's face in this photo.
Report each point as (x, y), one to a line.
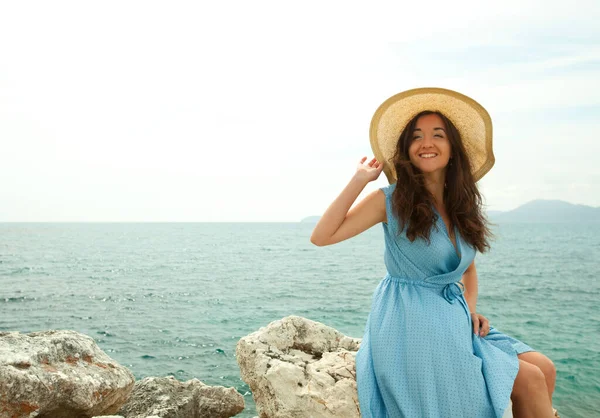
(430, 149)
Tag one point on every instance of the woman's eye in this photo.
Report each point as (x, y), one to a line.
(440, 135)
(416, 137)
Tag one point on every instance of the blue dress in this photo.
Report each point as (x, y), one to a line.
(419, 357)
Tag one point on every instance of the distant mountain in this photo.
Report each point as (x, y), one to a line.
(547, 211)
(311, 219)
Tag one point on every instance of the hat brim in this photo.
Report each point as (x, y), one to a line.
(470, 118)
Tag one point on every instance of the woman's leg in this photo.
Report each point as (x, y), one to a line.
(545, 365)
(530, 393)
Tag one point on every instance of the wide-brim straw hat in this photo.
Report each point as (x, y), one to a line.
(470, 118)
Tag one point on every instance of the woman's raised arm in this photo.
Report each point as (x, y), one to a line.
(338, 223)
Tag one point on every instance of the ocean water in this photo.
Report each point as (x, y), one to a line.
(174, 298)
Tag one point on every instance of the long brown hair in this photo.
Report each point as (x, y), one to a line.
(413, 203)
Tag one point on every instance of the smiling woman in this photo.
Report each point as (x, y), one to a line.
(426, 351)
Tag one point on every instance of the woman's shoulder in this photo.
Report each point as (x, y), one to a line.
(389, 189)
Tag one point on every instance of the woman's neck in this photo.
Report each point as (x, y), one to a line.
(434, 183)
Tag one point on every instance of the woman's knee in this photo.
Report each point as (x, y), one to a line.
(549, 369)
(530, 381)
(542, 362)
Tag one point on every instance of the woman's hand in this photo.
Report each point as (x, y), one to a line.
(369, 171)
(481, 325)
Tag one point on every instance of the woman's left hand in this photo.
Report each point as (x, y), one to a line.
(481, 325)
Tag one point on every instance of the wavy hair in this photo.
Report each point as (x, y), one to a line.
(413, 203)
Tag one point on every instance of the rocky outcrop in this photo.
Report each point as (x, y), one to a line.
(169, 398)
(59, 374)
(64, 374)
(296, 367)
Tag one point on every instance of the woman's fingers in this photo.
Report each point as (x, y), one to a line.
(481, 325)
(475, 319)
(374, 167)
(371, 163)
(485, 326)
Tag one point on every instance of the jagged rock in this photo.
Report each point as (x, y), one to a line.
(296, 367)
(56, 374)
(169, 398)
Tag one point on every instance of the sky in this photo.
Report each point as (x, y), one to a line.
(145, 111)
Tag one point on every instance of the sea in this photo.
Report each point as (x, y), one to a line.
(175, 298)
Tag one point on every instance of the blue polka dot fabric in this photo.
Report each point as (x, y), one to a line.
(419, 356)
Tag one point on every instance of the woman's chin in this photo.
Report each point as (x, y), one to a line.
(429, 169)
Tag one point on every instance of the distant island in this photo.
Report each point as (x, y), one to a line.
(541, 210)
(538, 210)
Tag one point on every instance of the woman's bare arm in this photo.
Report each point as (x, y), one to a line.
(481, 325)
(339, 223)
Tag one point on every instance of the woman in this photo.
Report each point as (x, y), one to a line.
(426, 352)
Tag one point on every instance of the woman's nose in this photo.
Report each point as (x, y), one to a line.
(427, 141)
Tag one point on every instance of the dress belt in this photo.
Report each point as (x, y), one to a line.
(450, 291)
(453, 290)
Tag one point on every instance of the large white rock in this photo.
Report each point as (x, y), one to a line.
(296, 367)
(167, 397)
(59, 374)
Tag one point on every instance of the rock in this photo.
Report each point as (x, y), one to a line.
(59, 374)
(169, 398)
(296, 367)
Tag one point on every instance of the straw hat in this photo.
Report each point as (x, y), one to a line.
(470, 118)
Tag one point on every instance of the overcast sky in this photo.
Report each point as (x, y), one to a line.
(260, 111)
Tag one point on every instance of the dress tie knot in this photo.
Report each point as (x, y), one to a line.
(453, 290)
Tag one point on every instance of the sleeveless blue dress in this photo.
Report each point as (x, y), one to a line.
(419, 356)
